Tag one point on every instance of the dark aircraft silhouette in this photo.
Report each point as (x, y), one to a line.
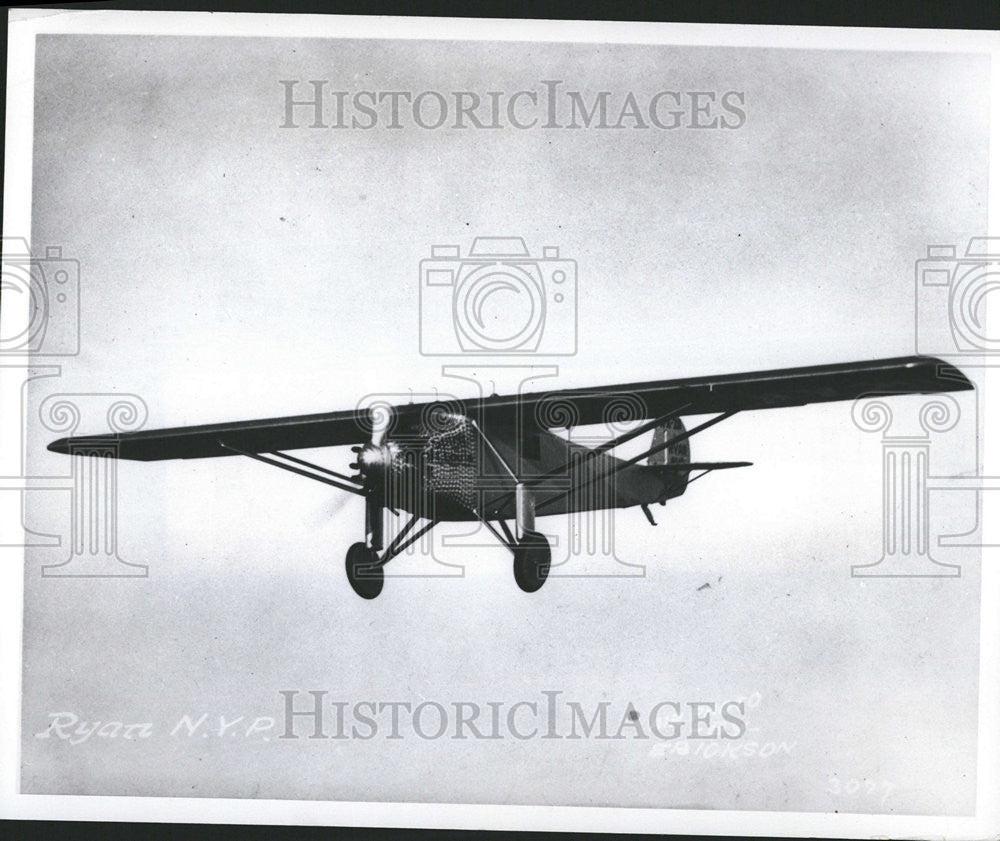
(496, 459)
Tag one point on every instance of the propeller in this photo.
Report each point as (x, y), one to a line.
(373, 462)
(329, 510)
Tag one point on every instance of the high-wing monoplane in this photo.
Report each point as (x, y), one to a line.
(499, 460)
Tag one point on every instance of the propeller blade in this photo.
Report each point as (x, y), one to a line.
(374, 522)
(329, 510)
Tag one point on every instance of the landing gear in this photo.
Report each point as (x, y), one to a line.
(364, 572)
(532, 560)
(366, 565)
(532, 553)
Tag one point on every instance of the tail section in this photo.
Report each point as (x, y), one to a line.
(673, 465)
(676, 454)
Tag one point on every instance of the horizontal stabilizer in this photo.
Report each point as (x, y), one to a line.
(705, 465)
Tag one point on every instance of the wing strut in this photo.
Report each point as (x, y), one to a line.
(639, 430)
(350, 488)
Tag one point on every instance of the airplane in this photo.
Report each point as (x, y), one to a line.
(497, 459)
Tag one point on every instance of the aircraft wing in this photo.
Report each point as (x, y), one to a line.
(329, 429)
(553, 409)
(775, 389)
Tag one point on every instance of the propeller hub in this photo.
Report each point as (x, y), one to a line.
(373, 463)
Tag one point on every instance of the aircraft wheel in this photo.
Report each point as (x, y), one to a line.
(532, 559)
(366, 580)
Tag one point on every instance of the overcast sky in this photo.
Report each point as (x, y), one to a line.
(233, 269)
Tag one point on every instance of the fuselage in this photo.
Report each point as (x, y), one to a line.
(449, 469)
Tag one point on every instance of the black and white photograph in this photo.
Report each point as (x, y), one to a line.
(518, 424)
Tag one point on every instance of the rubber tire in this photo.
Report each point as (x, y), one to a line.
(367, 583)
(532, 560)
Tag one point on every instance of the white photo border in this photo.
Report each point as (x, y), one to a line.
(25, 24)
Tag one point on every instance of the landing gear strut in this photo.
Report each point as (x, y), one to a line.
(366, 567)
(532, 553)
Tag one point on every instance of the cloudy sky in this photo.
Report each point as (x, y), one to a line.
(232, 269)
